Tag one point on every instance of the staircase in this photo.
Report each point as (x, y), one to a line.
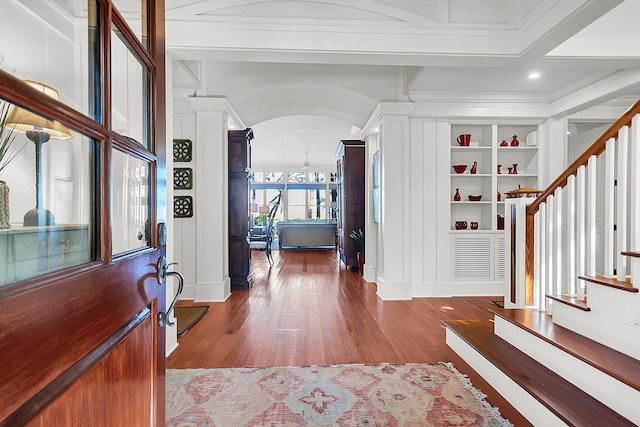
(569, 353)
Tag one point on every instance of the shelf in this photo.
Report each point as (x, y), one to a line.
(479, 231)
(469, 202)
(467, 149)
(520, 148)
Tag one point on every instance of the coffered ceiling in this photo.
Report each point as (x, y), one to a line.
(373, 50)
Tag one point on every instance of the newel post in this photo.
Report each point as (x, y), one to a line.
(518, 289)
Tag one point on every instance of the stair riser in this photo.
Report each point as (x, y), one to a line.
(530, 408)
(634, 264)
(584, 376)
(610, 321)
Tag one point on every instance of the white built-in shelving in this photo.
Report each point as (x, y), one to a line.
(479, 255)
(485, 149)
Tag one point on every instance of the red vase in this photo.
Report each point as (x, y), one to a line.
(457, 196)
(360, 257)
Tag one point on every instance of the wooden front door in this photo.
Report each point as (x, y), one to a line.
(80, 298)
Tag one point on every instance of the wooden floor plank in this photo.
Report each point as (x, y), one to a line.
(307, 309)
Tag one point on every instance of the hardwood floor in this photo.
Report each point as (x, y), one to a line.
(307, 310)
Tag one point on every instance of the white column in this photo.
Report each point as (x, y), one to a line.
(171, 333)
(371, 228)
(211, 198)
(394, 273)
(425, 238)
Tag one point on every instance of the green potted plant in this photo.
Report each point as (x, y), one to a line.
(7, 153)
(358, 238)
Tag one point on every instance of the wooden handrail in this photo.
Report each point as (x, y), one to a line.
(596, 149)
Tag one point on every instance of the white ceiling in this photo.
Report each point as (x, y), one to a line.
(389, 50)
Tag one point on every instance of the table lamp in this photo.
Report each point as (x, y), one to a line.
(39, 130)
(264, 210)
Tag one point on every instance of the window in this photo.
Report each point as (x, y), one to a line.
(306, 204)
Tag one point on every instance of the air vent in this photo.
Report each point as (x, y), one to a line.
(472, 257)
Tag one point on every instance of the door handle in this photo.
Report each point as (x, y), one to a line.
(163, 317)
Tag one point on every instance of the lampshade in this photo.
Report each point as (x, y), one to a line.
(264, 209)
(254, 207)
(22, 120)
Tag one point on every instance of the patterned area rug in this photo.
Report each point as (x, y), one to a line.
(344, 395)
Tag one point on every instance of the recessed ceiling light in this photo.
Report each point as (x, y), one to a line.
(534, 75)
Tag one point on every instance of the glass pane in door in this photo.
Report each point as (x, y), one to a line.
(47, 184)
(135, 13)
(52, 43)
(130, 90)
(130, 204)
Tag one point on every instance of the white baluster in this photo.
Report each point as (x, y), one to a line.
(621, 208)
(609, 193)
(634, 193)
(581, 233)
(557, 285)
(540, 273)
(550, 251)
(570, 235)
(592, 188)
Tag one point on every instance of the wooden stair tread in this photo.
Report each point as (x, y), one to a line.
(572, 301)
(568, 402)
(618, 365)
(612, 283)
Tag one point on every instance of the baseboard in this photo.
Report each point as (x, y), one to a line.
(212, 292)
(430, 290)
(171, 350)
(370, 273)
(188, 292)
(393, 291)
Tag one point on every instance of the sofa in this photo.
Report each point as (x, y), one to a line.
(306, 234)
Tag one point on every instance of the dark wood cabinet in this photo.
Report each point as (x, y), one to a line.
(239, 166)
(351, 204)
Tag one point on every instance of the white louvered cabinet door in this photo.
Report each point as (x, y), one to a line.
(472, 257)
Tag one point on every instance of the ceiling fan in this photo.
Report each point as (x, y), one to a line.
(306, 164)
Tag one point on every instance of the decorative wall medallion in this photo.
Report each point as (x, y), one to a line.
(182, 150)
(182, 178)
(182, 207)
